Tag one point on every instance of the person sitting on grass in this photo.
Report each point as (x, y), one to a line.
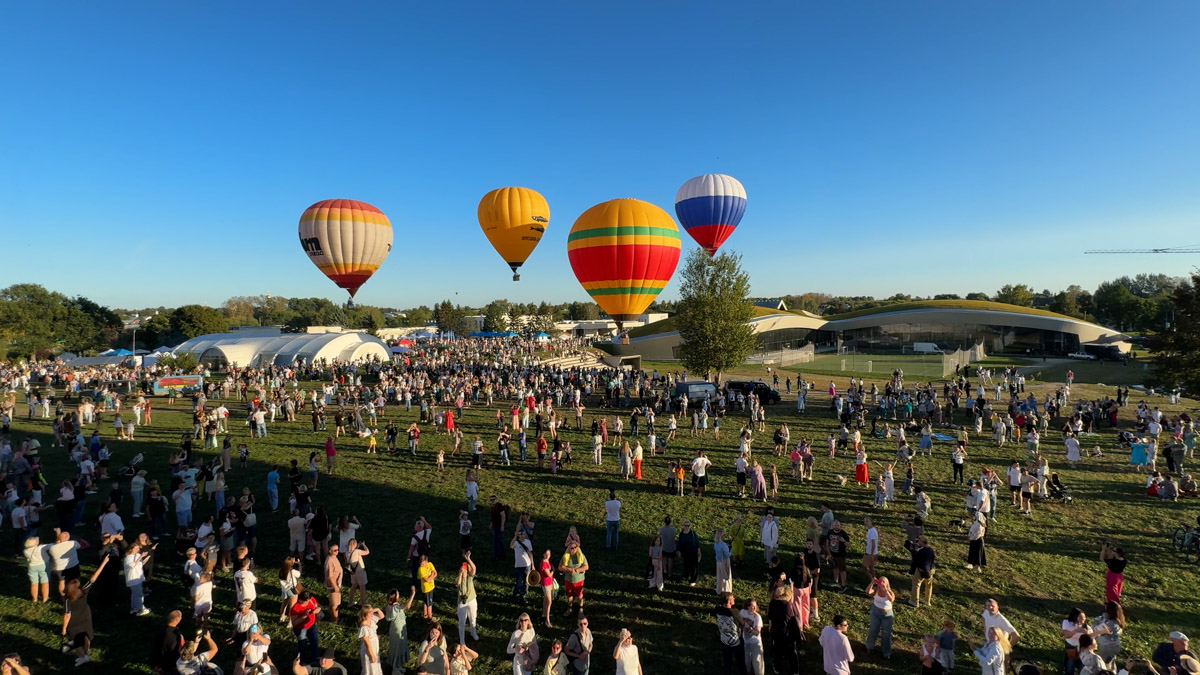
(1187, 486)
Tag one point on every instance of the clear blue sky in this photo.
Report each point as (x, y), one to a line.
(162, 153)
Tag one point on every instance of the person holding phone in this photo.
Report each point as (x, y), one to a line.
(626, 655)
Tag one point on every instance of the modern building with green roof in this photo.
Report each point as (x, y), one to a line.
(949, 324)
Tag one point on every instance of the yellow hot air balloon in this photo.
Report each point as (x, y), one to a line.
(514, 220)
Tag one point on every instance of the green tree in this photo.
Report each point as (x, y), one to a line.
(192, 320)
(448, 316)
(495, 316)
(155, 331)
(183, 361)
(1064, 303)
(713, 314)
(1177, 350)
(1018, 294)
(583, 311)
(946, 296)
(418, 316)
(976, 295)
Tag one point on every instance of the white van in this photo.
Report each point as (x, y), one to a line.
(926, 348)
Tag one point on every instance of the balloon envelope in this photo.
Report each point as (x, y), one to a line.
(346, 239)
(623, 252)
(514, 220)
(709, 208)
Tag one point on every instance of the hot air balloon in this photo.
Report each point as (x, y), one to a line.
(346, 239)
(623, 252)
(709, 208)
(514, 220)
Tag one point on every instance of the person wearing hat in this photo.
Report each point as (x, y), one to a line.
(1170, 654)
(254, 649)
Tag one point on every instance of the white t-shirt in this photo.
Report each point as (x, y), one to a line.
(64, 554)
(755, 620)
(996, 620)
(256, 651)
(35, 556)
(872, 542)
(111, 524)
(245, 581)
(522, 553)
(612, 509)
(1014, 476)
(700, 466)
(1071, 625)
(627, 660)
(344, 536)
(134, 574)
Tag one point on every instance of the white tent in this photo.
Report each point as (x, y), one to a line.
(221, 349)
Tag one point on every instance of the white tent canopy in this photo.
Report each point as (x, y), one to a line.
(220, 349)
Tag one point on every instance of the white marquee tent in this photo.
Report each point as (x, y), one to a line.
(282, 349)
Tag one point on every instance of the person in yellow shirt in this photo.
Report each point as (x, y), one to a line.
(574, 566)
(427, 574)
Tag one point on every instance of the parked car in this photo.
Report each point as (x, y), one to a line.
(696, 391)
(1082, 356)
(766, 393)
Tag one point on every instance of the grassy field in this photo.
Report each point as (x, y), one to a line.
(1040, 566)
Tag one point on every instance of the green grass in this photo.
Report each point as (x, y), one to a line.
(1040, 568)
(877, 365)
(1105, 372)
(943, 304)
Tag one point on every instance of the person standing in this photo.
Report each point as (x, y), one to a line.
(1114, 577)
(729, 631)
(626, 655)
(468, 601)
(990, 654)
(871, 550)
(976, 551)
(722, 556)
(574, 566)
(882, 616)
(167, 645)
(837, 654)
(499, 518)
(656, 565)
(579, 647)
(135, 576)
(668, 534)
(770, 535)
(612, 520)
(921, 570)
(688, 546)
(522, 561)
(752, 627)
(700, 467)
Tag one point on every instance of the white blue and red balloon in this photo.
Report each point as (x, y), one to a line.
(710, 207)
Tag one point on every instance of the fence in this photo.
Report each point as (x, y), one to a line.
(960, 358)
(781, 358)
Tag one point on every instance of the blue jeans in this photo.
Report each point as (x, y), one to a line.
(308, 646)
(135, 597)
(881, 627)
(612, 533)
(184, 518)
(273, 498)
(519, 586)
(497, 542)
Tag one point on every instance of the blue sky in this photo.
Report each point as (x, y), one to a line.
(162, 153)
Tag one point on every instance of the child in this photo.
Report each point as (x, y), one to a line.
(371, 444)
(441, 456)
(774, 482)
(908, 480)
(243, 455)
(679, 479)
(947, 639)
(554, 462)
(202, 599)
(831, 442)
(671, 478)
(889, 483)
(464, 531)
(880, 494)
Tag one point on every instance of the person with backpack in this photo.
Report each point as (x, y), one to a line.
(419, 545)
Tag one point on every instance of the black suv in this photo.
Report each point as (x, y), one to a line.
(766, 393)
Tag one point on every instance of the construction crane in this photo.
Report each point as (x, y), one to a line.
(1177, 249)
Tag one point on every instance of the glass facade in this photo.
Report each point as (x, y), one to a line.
(899, 337)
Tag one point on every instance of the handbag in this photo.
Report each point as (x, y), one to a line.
(251, 520)
(554, 589)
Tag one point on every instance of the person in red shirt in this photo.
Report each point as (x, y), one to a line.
(304, 625)
(541, 450)
(330, 455)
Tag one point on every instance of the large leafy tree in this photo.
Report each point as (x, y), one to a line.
(1177, 349)
(714, 313)
(448, 316)
(1015, 294)
(495, 316)
(35, 321)
(192, 320)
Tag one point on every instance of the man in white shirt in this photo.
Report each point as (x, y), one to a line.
(1014, 481)
(134, 563)
(64, 559)
(837, 654)
(222, 416)
(110, 522)
(700, 473)
(612, 520)
(871, 552)
(992, 618)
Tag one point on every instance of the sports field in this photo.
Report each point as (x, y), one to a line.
(1040, 566)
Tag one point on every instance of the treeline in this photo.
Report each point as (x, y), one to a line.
(1139, 303)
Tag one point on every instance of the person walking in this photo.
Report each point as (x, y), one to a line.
(729, 632)
(921, 570)
(612, 520)
(688, 546)
(722, 556)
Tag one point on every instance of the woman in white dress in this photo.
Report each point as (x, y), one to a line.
(368, 636)
(626, 655)
(1072, 444)
(523, 646)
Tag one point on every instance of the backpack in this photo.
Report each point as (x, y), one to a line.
(423, 547)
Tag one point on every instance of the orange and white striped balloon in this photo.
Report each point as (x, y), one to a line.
(346, 239)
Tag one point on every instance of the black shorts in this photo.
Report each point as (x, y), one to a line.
(80, 640)
(67, 574)
(839, 563)
(1026, 495)
(699, 481)
(741, 478)
(1014, 488)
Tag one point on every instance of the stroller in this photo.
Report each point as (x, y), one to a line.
(1126, 438)
(1056, 491)
(131, 467)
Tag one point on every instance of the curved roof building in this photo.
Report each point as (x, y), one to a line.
(950, 324)
(283, 349)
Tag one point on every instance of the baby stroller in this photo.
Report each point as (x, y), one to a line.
(131, 467)
(1055, 490)
(1126, 438)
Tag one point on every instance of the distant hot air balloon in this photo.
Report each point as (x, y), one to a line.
(514, 220)
(346, 239)
(623, 252)
(709, 208)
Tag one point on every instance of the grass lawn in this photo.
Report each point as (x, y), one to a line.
(1040, 566)
(1103, 372)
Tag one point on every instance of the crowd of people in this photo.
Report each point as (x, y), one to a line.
(540, 407)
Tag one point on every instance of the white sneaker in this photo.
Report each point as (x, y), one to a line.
(143, 612)
(82, 660)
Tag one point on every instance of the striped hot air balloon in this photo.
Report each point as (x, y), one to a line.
(514, 220)
(346, 239)
(709, 208)
(623, 252)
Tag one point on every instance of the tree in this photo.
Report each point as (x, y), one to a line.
(495, 316)
(1019, 294)
(1177, 350)
(583, 311)
(713, 313)
(36, 321)
(192, 320)
(1064, 303)
(448, 316)
(418, 316)
(976, 295)
(946, 296)
(184, 361)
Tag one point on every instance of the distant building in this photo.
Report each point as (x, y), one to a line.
(772, 303)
